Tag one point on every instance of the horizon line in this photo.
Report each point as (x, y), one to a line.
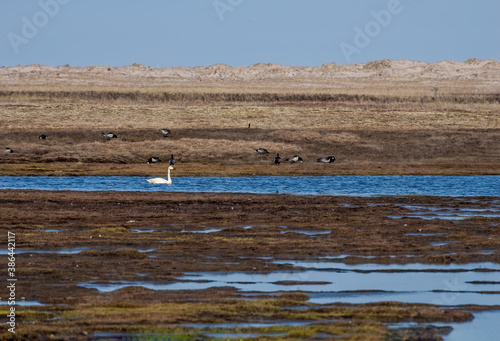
(254, 64)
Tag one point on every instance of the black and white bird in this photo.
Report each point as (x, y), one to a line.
(294, 159)
(8, 150)
(171, 161)
(328, 159)
(262, 151)
(165, 132)
(277, 160)
(154, 159)
(43, 137)
(109, 135)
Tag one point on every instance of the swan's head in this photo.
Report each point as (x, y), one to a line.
(171, 167)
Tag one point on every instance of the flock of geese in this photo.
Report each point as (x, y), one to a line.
(154, 159)
(41, 137)
(295, 158)
(171, 162)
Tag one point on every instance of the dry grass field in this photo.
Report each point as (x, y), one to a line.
(376, 118)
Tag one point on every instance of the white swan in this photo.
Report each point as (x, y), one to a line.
(168, 181)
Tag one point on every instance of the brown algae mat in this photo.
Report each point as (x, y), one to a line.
(104, 237)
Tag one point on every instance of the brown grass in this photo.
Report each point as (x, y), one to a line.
(232, 151)
(57, 116)
(372, 125)
(248, 97)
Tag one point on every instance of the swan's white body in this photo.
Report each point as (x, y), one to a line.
(167, 181)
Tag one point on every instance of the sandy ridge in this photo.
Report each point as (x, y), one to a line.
(472, 69)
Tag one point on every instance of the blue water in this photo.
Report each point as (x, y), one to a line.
(415, 283)
(455, 186)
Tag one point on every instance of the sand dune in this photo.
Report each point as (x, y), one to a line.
(398, 70)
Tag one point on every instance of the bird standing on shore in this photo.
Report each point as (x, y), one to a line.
(165, 132)
(43, 137)
(9, 150)
(171, 161)
(277, 160)
(328, 159)
(262, 151)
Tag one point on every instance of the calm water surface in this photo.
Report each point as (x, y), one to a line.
(305, 185)
(441, 288)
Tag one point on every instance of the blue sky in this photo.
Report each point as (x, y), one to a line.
(165, 33)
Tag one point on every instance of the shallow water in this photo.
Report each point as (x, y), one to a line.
(143, 230)
(413, 267)
(71, 251)
(462, 186)
(484, 326)
(441, 243)
(212, 230)
(21, 303)
(307, 232)
(365, 283)
(448, 213)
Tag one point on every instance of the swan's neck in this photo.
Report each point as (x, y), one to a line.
(168, 176)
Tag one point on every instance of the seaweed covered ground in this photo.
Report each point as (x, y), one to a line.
(66, 239)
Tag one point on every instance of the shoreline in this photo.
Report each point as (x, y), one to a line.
(197, 170)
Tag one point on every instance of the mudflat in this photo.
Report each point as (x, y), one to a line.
(66, 239)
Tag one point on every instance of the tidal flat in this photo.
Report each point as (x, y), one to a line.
(66, 240)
